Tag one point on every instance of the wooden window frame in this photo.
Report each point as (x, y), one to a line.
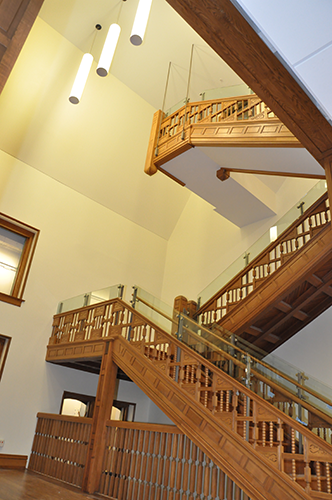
(31, 234)
(4, 348)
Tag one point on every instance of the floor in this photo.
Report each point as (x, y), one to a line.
(25, 485)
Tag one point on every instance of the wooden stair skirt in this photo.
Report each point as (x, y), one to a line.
(288, 300)
(251, 470)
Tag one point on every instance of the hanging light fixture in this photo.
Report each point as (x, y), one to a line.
(83, 73)
(140, 22)
(107, 53)
(81, 78)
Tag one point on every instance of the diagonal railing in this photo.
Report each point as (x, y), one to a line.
(224, 383)
(275, 255)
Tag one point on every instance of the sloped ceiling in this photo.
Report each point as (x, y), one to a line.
(98, 147)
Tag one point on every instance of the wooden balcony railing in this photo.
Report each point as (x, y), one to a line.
(291, 447)
(266, 263)
(243, 120)
(60, 447)
(149, 461)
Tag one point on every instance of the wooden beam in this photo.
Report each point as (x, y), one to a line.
(223, 27)
(19, 18)
(272, 172)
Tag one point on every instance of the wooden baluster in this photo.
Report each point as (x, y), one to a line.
(187, 374)
(227, 400)
(319, 478)
(328, 477)
(263, 433)
(192, 380)
(221, 402)
(245, 423)
(206, 385)
(293, 449)
(271, 434)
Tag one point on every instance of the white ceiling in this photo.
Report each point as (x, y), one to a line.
(300, 32)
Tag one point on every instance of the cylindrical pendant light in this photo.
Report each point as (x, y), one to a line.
(81, 78)
(108, 50)
(141, 20)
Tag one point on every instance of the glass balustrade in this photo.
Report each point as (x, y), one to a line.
(318, 190)
(90, 298)
(266, 374)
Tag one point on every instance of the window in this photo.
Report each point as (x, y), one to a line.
(17, 246)
(4, 348)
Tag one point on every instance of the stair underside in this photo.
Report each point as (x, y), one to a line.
(288, 300)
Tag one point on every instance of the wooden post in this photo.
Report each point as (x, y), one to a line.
(102, 413)
(328, 173)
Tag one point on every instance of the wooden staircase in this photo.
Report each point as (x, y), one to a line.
(283, 289)
(233, 419)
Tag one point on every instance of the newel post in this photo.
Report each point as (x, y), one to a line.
(102, 413)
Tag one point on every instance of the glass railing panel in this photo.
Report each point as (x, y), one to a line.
(237, 357)
(256, 248)
(90, 298)
(225, 92)
(211, 347)
(175, 107)
(155, 309)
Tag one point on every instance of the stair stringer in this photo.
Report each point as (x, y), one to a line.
(250, 471)
(282, 282)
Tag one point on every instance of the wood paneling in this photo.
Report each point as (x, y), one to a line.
(16, 20)
(222, 26)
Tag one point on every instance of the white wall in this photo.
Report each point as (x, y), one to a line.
(82, 246)
(146, 410)
(203, 243)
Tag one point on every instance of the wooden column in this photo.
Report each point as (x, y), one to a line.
(102, 412)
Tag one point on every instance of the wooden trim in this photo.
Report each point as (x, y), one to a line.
(223, 27)
(13, 461)
(10, 299)
(272, 172)
(4, 352)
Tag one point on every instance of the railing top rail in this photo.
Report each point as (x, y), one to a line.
(65, 418)
(267, 250)
(238, 387)
(242, 352)
(208, 102)
(142, 426)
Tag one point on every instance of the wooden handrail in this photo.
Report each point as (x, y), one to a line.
(244, 353)
(259, 268)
